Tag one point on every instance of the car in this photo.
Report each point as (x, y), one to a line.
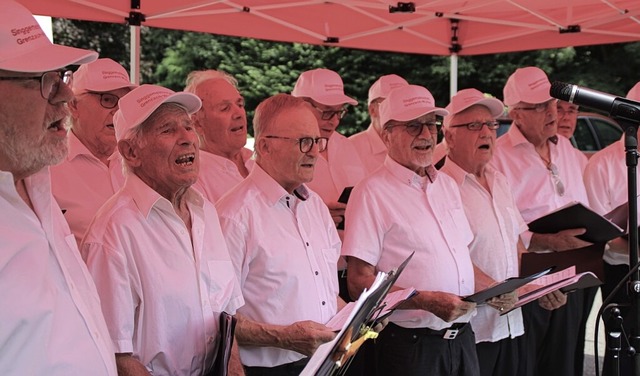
(593, 131)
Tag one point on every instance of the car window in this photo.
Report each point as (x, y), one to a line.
(584, 137)
(607, 132)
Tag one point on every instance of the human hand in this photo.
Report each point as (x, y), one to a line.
(504, 302)
(306, 336)
(553, 300)
(561, 241)
(337, 211)
(444, 305)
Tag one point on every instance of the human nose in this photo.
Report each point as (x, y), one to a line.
(63, 95)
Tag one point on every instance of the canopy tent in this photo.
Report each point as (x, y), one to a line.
(434, 27)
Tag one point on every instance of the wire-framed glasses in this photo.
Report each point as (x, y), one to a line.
(107, 100)
(477, 125)
(540, 107)
(329, 114)
(49, 82)
(415, 127)
(555, 176)
(306, 143)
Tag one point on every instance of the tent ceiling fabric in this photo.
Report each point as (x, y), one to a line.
(482, 26)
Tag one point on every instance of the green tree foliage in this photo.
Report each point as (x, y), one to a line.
(264, 68)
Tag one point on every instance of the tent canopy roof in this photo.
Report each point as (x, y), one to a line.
(436, 27)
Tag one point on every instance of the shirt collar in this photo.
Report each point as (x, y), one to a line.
(407, 176)
(76, 147)
(146, 198)
(273, 191)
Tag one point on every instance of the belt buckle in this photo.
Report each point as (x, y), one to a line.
(450, 333)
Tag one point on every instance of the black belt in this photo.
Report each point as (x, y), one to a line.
(446, 333)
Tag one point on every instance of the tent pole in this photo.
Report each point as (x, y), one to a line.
(453, 74)
(134, 61)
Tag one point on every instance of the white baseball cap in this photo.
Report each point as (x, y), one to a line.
(100, 76)
(323, 86)
(466, 98)
(408, 103)
(137, 105)
(383, 85)
(529, 85)
(24, 47)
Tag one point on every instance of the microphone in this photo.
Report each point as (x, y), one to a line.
(617, 107)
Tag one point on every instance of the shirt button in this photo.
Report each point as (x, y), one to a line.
(317, 272)
(323, 302)
(307, 243)
(210, 340)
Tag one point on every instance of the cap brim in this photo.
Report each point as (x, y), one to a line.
(108, 87)
(188, 101)
(48, 58)
(335, 100)
(417, 112)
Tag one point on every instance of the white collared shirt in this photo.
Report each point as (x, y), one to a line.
(161, 289)
(285, 251)
(81, 184)
(392, 213)
(342, 169)
(496, 225)
(219, 174)
(606, 180)
(370, 148)
(531, 182)
(50, 321)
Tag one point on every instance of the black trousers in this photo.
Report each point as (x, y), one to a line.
(289, 369)
(418, 352)
(500, 358)
(552, 337)
(612, 275)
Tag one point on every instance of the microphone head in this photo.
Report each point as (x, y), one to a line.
(561, 90)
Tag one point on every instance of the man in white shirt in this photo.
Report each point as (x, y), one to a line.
(606, 180)
(155, 249)
(50, 320)
(470, 131)
(221, 124)
(368, 143)
(88, 176)
(407, 206)
(545, 173)
(283, 243)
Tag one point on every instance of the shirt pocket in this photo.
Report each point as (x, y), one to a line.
(222, 280)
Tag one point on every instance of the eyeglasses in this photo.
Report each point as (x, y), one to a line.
(49, 82)
(107, 100)
(306, 143)
(570, 111)
(540, 107)
(329, 114)
(477, 125)
(415, 127)
(555, 176)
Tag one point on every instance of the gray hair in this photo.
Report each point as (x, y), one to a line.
(195, 78)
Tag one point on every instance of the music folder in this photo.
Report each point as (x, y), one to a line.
(332, 357)
(507, 286)
(227, 328)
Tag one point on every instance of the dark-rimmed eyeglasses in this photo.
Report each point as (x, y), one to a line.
(329, 114)
(107, 100)
(306, 143)
(415, 127)
(555, 176)
(49, 82)
(540, 107)
(477, 125)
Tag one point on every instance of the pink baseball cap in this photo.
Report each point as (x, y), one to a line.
(408, 103)
(469, 97)
(323, 86)
(138, 104)
(529, 85)
(383, 85)
(634, 93)
(100, 76)
(24, 47)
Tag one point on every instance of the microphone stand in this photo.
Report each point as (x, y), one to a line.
(631, 157)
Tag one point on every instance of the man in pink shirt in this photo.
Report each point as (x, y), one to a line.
(222, 126)
(545, 173)
(406, 206)
(89, 176)
(368, 143)
(50, 320)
